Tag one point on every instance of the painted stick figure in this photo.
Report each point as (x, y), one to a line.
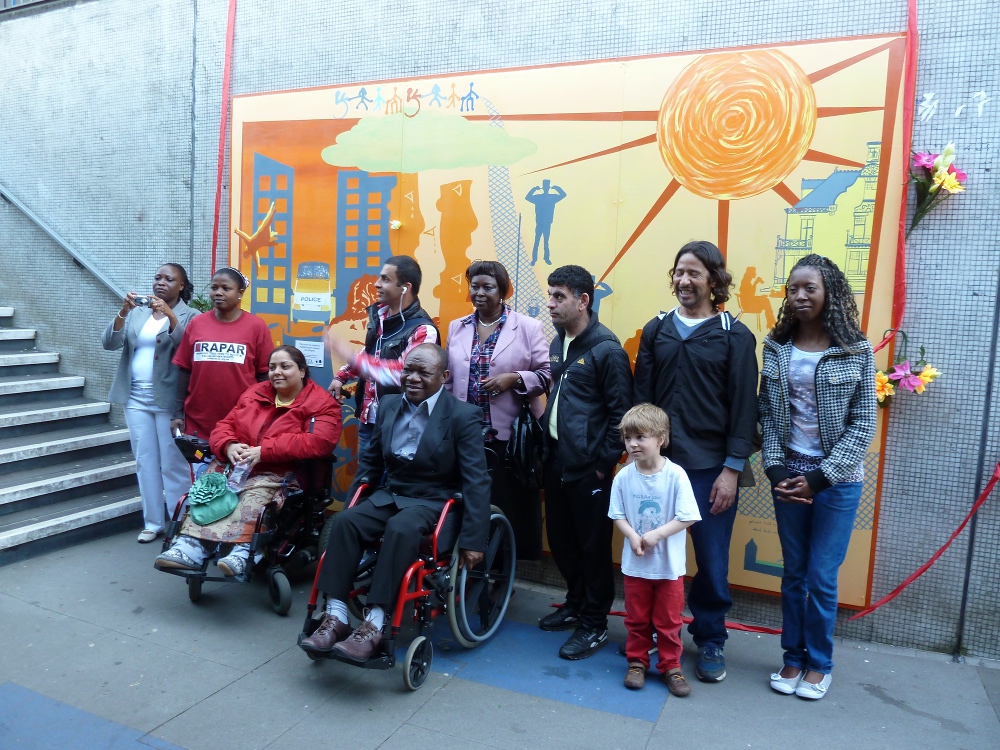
(436, 97)
(395, 104)
(363, 100)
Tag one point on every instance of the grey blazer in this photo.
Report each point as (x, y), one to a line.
(164, 371)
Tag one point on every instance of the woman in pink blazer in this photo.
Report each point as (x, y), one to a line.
(498, 358)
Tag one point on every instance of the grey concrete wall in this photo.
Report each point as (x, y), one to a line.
(98, 138)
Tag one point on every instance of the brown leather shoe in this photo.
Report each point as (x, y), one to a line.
(676, 683)
(330, 631)
(635, 678)
(361, 645)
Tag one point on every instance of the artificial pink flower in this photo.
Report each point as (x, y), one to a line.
(901, 372)
(959, 174)
(924, 159)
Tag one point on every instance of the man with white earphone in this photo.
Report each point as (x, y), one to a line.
(396, 324)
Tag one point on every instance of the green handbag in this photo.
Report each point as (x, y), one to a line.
(210, 499)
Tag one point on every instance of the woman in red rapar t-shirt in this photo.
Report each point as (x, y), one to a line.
(223, 352)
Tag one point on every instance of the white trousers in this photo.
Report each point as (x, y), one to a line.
(163, 474)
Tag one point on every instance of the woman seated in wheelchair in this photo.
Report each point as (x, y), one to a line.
(430, 446)
(276, 423)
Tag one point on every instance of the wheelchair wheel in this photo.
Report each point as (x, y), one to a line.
(194, 588)
(417, 664)
(478, 599)
(280, 591)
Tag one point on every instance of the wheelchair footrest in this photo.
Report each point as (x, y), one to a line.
(382, 661)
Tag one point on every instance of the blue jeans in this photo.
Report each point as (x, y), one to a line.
(708, 597)
(814, 540)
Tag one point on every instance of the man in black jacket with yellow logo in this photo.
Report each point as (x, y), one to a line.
(592, 390)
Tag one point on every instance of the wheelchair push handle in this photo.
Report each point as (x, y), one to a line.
(193, 448)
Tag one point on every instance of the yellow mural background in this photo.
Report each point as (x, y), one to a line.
(602, 132)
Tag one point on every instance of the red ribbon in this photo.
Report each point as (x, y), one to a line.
(223, 125)
(909, 97)
(923, 568)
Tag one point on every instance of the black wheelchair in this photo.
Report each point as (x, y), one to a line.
(285, 540)
(474, 601)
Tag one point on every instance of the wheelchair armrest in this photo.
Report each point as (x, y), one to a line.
(362, 488)
(177, 508)
(440, 525)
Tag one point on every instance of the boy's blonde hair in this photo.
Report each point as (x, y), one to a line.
(646, 419)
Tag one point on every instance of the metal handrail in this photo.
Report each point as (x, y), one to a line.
(18, 4)
(80, 259)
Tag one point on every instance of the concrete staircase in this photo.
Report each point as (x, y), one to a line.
(66, 473)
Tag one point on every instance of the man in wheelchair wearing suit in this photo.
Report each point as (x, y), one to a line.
(430, 445)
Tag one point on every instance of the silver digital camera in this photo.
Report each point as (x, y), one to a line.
(141, 300)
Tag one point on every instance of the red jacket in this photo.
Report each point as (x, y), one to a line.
(284, 435)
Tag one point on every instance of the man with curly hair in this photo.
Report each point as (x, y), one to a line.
(699, 365)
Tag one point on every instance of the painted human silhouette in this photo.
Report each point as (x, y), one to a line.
(469, 100)
(363, 100)
(753, 303)
(436, 97)
(545, 209)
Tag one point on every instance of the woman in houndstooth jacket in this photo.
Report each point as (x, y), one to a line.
(817, 409)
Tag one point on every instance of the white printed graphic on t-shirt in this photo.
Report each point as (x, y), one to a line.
(220, 351)
(650, 514)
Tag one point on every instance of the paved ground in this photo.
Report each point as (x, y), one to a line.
(101, 651)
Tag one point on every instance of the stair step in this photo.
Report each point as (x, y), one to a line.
(17, 339)
(20, 490)
(31, 388)
(16, 419)
(53, 527)
(6, 317)
(28, 363)
(38, 451)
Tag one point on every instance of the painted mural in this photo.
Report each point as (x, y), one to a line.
(773, 153)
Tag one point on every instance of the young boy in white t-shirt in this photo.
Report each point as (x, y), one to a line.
(651, 502)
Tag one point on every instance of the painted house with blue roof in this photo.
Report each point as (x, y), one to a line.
(820, 222)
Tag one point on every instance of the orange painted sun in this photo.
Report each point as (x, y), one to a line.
(734, 125)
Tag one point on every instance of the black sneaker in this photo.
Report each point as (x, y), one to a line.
(562, 619)
(583, 643)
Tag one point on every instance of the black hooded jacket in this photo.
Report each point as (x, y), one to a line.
(594, 386)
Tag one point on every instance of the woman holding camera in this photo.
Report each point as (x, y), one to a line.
(148, 329)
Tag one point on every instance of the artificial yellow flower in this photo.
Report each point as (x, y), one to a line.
(883, 386)
(949, 182)
(927, 375)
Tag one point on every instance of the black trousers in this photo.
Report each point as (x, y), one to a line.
(522, 506)
(354, 530)
(579, 533)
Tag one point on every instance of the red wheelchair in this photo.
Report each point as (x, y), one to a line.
(474, 600)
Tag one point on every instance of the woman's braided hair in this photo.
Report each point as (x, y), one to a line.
(840, 311)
